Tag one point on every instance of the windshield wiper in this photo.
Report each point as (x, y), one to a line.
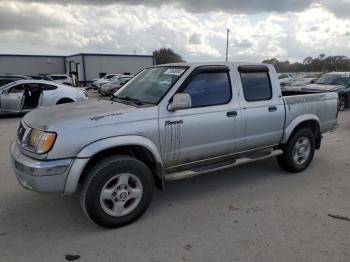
(127, 98)
(136, 101)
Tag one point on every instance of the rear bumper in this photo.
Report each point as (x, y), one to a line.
(47, 176)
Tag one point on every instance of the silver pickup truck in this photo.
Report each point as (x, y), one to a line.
(169, 122)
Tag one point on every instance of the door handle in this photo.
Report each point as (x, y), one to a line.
(231, 114)
(272, 108)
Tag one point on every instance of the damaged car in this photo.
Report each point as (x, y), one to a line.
(110, 88)
(25, 95)
(338, 82)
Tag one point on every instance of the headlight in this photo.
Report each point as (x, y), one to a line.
(41, 142)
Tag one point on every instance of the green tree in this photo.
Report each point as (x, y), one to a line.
(322, 63)
(166, 55)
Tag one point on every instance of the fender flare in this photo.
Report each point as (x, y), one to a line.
(94, 148)
(129, 140)
(295, 122)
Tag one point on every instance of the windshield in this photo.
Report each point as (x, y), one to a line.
(7, 85)
(333, 80)
(151, 84)
(109, 76)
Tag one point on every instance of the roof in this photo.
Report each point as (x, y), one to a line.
(195, 64)
(21, 55)
(339, 73)
(79, 54)
(35, 81)
(108, 54)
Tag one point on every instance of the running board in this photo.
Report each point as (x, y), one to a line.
(235, 162)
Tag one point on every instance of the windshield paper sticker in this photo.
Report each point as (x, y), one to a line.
(174, 71)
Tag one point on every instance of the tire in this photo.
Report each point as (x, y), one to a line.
(295, 161)
(342, 103)
(107, 198)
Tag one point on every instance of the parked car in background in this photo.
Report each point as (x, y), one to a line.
(107, 81)
(169, 122)
(97, 82)
(115, 84)
(41, 77)
(61, 78)
(331, 82)
(6, 79)
(25, 95)
(284, 78)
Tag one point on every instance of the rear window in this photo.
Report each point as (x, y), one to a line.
(58, 77)
(47, 87)
(256, 86)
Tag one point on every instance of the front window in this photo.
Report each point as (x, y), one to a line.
(150, 85)
(333, 80)
(7, 85)
(209, 88)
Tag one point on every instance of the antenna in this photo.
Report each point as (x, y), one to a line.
(228, 31)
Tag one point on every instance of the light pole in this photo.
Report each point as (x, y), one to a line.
(228, 31)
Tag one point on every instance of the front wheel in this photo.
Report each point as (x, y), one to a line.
(117, 191)
(298, 152)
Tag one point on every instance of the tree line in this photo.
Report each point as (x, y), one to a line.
(322, 63)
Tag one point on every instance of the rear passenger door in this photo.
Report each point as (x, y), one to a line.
(262, 108)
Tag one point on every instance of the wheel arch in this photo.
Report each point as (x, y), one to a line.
(141, 148)
(63, 100)
(309, 121)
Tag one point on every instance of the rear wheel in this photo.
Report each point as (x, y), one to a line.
(342, 103)
(298, 152)
(117, 191)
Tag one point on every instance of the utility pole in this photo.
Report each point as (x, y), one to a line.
(228, 31)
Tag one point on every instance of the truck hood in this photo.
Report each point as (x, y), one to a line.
(77, 113)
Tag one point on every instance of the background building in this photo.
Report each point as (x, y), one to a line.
(84, 66)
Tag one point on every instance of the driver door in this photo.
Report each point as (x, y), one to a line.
(211, 128)
(12, 99)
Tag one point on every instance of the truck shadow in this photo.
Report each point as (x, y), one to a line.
(9, 116)
(28, 214)
(208, 185)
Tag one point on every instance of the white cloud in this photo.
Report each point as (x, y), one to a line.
(56, 28)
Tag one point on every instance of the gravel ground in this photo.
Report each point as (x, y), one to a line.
(255, 212)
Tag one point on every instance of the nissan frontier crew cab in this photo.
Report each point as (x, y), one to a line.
(169, 122)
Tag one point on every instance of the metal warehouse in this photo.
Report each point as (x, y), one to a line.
(85, 66)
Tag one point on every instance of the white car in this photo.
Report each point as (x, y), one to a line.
(25, 95)
(61, 79)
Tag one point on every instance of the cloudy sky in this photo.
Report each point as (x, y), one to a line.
(286, 29)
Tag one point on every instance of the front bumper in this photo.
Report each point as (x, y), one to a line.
(45, 176)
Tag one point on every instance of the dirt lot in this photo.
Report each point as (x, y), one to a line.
(255, 212)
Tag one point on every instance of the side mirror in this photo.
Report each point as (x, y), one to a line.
(180, 101)
(313, 81)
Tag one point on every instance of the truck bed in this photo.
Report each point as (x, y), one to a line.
(322, 105)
